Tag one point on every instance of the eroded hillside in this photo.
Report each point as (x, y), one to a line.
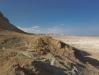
(40, 55)
(24, 54)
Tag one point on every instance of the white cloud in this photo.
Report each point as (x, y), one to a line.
(61, 29)
(44, 30)
(34, 29)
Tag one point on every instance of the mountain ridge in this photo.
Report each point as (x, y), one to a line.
(6, 26)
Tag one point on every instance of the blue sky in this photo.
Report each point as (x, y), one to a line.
(74, 17)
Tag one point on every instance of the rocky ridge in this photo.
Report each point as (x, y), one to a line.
(23, 54)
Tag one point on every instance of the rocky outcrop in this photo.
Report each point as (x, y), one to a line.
(41, 55)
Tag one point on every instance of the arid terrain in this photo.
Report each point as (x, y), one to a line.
(89, 44)
(25, 54)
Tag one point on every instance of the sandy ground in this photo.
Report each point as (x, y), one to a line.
(88, 44)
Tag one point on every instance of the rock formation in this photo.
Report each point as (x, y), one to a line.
(23, 54)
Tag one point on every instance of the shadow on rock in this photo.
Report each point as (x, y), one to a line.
(44, 68)
(83, 57)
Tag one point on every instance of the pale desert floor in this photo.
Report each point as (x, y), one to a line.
(88, 44)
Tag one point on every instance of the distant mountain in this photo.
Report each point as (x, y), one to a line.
(6, 26)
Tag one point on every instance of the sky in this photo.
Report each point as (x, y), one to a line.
(70, 17)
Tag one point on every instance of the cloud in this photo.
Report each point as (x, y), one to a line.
(44, 30)
(34, 29)
(61, 30)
